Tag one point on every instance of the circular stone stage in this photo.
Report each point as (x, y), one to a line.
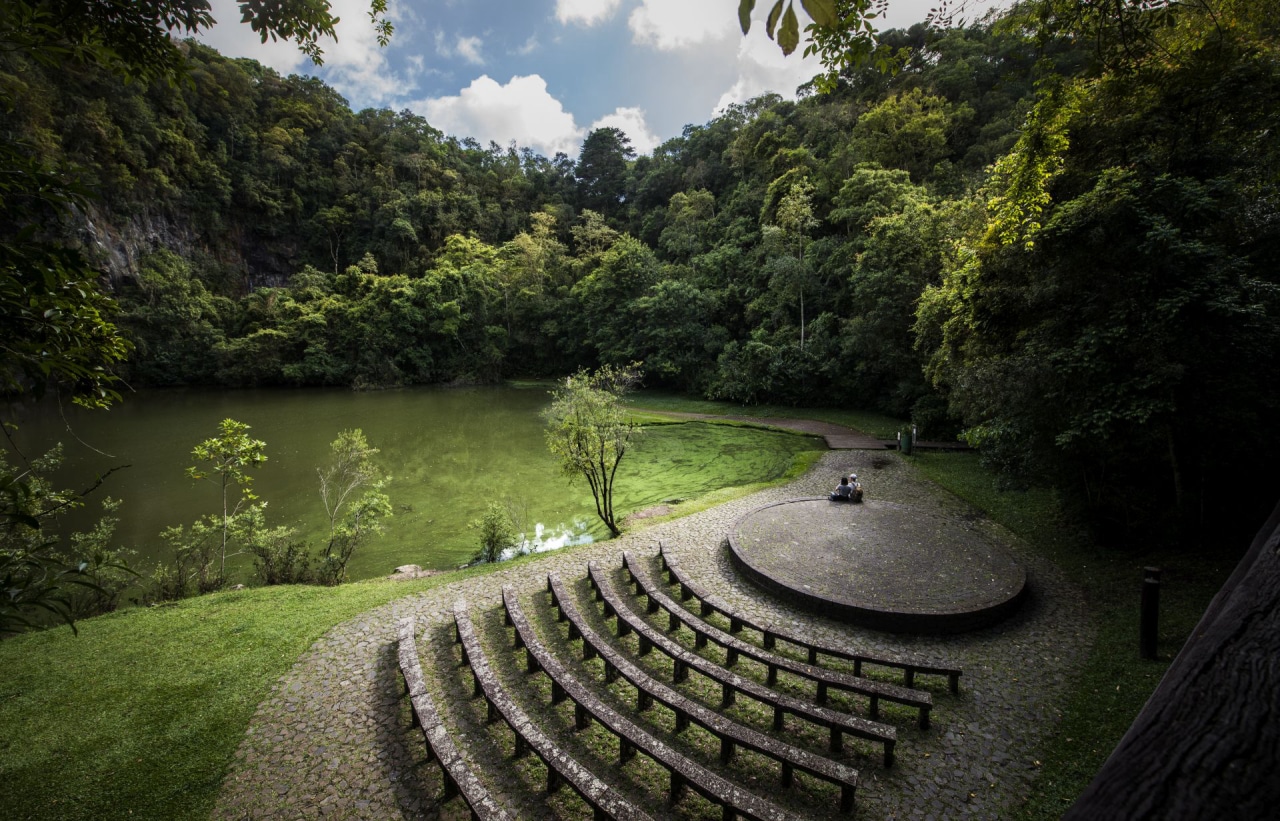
(878, 564)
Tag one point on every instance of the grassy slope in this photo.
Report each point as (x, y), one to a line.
(140, 715)
(876, 424)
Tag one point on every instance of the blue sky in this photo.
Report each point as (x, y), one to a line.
(542, 73)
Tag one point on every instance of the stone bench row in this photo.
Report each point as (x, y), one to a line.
(730, 733)
(837, 722)
(683, 771)
(458, 778)
(734, 647)
(770, 633)
(561, 768)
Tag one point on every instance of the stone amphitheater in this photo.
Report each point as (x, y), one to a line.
(337, 738)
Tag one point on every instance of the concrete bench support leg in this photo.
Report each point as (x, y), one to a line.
(846, 798)
(675, 789)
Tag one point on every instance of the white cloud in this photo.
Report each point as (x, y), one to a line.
(585, 12)
(356, 66)
(521, 110)
(468, 48)
(670, 25)
(632, 123)
(529, 47)
(762, 68)
(234, 39)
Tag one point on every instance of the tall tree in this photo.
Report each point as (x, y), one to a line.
(795, 220)
(602, 170)
(588, 431)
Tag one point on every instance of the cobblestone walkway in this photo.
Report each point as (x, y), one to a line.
(330, 740)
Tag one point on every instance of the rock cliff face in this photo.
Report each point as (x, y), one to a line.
(120, 242)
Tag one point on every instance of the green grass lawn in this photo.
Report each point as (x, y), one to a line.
(140, 715)
(874, 424)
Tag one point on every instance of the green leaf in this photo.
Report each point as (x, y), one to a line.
(772, 21)
(823, 12)
(745, 7)
(789, 34)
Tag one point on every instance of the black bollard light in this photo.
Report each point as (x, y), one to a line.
(1149, 628)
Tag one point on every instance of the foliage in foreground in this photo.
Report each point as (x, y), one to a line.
(496, 533)
(351, 488)
(45, 580)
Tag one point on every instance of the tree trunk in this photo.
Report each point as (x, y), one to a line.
(1207, 743)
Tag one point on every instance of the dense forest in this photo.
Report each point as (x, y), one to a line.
(1052, 234)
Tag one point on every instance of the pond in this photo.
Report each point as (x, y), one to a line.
(449, 451)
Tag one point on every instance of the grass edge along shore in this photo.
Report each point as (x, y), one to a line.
(141, 714)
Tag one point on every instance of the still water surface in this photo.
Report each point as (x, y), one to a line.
(449, 451)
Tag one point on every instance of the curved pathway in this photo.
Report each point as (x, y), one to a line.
(331, 741)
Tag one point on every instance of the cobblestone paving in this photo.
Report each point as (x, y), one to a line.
(331, 741)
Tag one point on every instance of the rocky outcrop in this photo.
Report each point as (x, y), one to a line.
(121, 242)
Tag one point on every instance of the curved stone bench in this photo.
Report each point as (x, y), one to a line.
(837, 722)
(604, 800)
(683, 771)
(874, 691)
(458, 778)
(770, 633)
(730, 733)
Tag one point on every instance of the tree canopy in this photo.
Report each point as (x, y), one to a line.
(1042, 231)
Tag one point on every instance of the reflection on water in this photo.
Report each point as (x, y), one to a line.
(543, 541)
